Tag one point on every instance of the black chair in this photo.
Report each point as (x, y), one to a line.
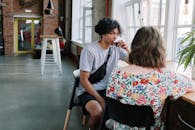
(74, 102)
(131, 115)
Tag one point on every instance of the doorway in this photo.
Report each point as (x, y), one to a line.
(27, 34)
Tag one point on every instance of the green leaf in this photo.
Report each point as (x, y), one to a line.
(187, 54)
(188, 59)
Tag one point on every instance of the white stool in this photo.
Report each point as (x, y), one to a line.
(55, 51)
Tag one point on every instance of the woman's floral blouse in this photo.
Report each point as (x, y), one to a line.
(146, 89)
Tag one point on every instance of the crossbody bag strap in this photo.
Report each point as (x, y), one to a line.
(109, 53)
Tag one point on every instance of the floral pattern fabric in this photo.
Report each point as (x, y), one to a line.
(146, 89)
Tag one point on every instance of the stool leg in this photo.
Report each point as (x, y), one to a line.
(43, 55)
(54, 51)
(58, 54)
(67, 119)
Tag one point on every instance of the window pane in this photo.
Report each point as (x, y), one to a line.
(151, 12)
(145, 12)
(129, 16)
(88, 18)
(163, 12)
(137, 14)
(131, 32)
(80, 28)
(88, 3)
(180, 32)
(88, 25)
(162, 31)
(185, 12)
(154, 12)
(24, 35)
(88, 34)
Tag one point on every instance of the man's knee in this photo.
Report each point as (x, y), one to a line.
(94, 109)
(96, 114)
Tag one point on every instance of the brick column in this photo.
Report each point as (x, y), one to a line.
(8, 27)
(50, 22)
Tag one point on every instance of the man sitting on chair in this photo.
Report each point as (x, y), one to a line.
(92, 57)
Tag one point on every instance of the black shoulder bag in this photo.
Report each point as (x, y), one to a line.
(100, 72)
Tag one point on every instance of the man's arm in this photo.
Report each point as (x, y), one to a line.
(123, 45)
(84, 76)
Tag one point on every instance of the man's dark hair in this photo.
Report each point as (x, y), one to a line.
(106, 25)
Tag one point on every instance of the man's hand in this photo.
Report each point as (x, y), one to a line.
(123, 45)
(101, 102)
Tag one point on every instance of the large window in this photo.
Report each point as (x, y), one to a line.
(134, 17)
(144, 12)
(82, 21)
(172, 17)
(185, 21)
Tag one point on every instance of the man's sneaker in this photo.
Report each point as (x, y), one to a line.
(110, 124)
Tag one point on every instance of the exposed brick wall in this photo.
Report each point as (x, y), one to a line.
(36, 7)
(50, 22)
(8, 26)
(8, 35)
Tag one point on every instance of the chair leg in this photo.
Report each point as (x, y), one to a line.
(84, 120)
(67, 119)
(148, 128)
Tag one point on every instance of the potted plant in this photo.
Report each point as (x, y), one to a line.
(187, 54)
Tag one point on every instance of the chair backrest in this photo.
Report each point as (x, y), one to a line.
(131, 115)
(76, 73)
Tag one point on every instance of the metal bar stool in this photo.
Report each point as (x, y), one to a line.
(55, 57)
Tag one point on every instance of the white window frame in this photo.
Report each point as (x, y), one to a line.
(131, 4)
(85, 26)
(172, 27)
(192, 25)
(79, 21)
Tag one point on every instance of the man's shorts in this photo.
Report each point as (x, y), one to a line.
(86, 97)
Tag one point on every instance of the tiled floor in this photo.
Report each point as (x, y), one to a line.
(30, 101)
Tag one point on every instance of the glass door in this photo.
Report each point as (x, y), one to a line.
(27, 34)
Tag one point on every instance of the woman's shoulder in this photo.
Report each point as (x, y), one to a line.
(139, 70)
(136, 70)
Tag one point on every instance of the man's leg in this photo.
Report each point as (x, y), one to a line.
(93, 108)
(95, 112)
